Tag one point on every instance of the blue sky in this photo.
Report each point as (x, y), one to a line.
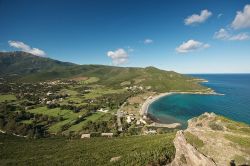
(188, 36)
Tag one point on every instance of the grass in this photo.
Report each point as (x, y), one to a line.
(215, 126)
(106, 116)
(68, 115)
(134, 150)
(233, 126)
(240, 160)
(193, 140)
(240, 140)
(68, 91)
(26, 121)
(91, 80)
(97, 92)
(94, 117)
(57, 127)
(8, 97)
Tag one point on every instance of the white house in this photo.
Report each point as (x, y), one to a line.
(85, 136)
(143, 121)
(102, 110)
(129, 119)
(107, 134)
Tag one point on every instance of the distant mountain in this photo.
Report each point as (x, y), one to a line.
(29, 68)
(25, 63)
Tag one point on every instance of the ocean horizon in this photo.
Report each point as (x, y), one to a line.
(234, 104)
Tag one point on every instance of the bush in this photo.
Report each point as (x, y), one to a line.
(215, 126)
(183, 159)
(193, 140)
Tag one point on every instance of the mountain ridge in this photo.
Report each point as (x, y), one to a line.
(25, 67)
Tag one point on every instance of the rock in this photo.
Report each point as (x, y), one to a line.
(187, 155)
(114, 159)
(212, 140)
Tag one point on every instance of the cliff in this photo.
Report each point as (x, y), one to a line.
(212, 140)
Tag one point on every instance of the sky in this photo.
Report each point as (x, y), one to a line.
(186, 36)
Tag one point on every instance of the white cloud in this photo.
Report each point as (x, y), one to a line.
(240, 36)
(191, 45)
(26, 48)
(148, 41)
(223, 34)
(196, 18)
(119, 56)
(242, 19)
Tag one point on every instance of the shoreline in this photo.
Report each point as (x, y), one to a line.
(144, 108)
(150, 100)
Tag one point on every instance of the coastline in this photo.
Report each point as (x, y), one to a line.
(149, 100)
(144, 108)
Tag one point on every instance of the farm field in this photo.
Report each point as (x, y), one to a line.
(68, 118)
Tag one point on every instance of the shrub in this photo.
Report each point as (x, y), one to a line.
(183, 159)
(193, 140)
(215, 126)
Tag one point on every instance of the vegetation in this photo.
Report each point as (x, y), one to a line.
(228, 140)
(8, 97)
(92, 118)
(240, 140)
(26, 67)
(193, 140)
(215, 126)
(241, 159)
(91, 80)
(183, 159)
(236, 127)
(134, 150)
(14, 120)
(43, 98)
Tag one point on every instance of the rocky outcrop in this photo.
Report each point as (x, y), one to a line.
(211, 140)
(187, 155)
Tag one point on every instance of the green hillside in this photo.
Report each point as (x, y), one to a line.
(22, 63)
(134, 150)
(29, 68)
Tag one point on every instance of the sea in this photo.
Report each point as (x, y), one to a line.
(234, 104)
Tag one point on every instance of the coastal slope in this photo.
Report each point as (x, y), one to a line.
(212, 140)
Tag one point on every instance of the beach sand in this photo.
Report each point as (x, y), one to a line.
(151, 99)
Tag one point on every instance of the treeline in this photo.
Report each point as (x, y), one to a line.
(113, 100)
(101, 126)
(11, 122)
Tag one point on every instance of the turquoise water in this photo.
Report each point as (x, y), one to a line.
(235, 104)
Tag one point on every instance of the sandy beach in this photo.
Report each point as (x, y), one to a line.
(150, 99)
